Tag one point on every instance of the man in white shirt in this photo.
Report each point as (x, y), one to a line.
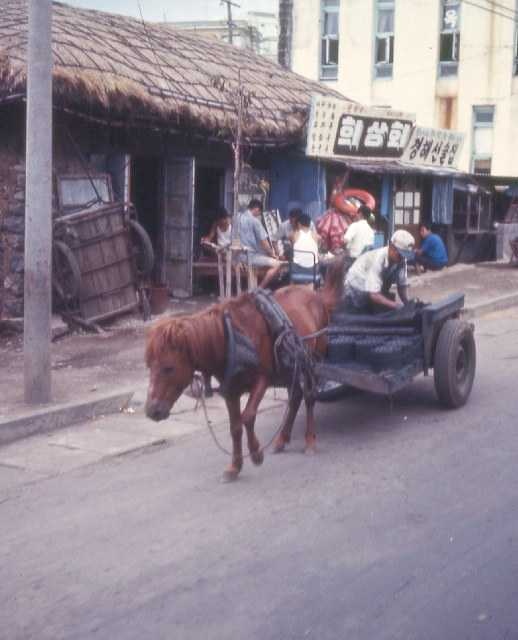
(368, 281)
(359, 236)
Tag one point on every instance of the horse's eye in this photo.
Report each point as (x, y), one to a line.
(168, 370)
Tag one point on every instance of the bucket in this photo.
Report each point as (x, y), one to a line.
(158, 299)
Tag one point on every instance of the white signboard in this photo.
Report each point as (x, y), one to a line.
(434, 148)
(338, 128)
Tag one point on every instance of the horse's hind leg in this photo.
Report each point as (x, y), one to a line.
(236, 431)
(285, 435)
(249, 416)
(311, 435)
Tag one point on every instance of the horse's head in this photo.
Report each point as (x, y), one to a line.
(169, 360)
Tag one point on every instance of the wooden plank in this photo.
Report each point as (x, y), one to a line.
(104, 253)
(385, 382)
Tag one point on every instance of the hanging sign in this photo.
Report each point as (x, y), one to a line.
(434, 147)
(338, 128)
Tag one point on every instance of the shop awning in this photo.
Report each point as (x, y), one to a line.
(396, 167)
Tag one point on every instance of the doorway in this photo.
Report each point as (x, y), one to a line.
(209, 196)
(145, 192)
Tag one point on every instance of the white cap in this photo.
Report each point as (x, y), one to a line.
(404, 243)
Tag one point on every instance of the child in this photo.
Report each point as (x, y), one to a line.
(221, 231)
(305, 246)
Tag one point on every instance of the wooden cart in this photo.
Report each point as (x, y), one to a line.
(101, 257)
(383, 355)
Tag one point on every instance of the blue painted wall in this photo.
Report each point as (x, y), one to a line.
(297, 181)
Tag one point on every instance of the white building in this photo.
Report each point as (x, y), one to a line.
(453, 63)
(257, 31)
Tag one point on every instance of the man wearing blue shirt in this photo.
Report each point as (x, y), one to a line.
(432, 254)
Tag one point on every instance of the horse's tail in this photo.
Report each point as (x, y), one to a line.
(334, 283)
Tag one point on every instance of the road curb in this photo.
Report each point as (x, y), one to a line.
(496, 304)
(61, 416)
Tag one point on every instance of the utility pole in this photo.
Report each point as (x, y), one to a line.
(230, 24)
(38, 205)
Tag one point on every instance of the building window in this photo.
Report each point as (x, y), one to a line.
(483, 118)
(407, 202)
(473, 209)
(384, 53)
(449, 46)
(330, 37)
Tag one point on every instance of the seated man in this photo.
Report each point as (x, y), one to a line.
(255, 239)
(432, 254)
(359, 236)
(305, 246)
(368, 281)
(288, 227)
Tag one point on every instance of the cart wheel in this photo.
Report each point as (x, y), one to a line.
(144, 254)
(454, 363)
(66, 273)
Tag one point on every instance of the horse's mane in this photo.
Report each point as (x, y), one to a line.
(200, 335)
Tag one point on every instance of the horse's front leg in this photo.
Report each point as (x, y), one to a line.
(236, 431)
(311, 436)
(249, 416)
(285, 435)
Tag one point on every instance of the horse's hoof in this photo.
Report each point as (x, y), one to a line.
(257, 457)
(230, 475)
(279, 446)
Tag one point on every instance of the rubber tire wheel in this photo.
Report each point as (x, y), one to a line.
(145, 255)
(70, 291)
(454, 363)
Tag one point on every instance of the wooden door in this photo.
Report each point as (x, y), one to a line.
(178, 225)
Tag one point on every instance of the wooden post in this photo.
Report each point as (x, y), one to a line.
(228, 277)
(38, 206)
(221, 276)
(230, 24)
(239, 96)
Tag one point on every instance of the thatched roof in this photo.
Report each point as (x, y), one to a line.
(119, 69)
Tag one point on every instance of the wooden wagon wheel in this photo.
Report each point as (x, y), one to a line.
(66, 273)
(143, 249)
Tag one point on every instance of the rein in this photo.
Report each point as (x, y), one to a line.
(290, 355)
(198, 389)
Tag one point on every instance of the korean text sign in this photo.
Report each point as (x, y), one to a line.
(338, 128)
(434, 147)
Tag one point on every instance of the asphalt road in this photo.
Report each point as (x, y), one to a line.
(404, 525)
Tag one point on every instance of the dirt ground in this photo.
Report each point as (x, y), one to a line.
(85, 364)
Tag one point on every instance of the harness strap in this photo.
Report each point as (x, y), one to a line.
(290, 354)
(241, 354)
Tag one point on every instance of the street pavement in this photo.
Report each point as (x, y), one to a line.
(404, 525)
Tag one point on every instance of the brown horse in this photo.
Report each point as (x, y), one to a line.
(177, 347)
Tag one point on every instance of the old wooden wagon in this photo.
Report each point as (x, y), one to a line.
(101, 259)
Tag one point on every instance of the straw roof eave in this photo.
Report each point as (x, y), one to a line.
(117, 68)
